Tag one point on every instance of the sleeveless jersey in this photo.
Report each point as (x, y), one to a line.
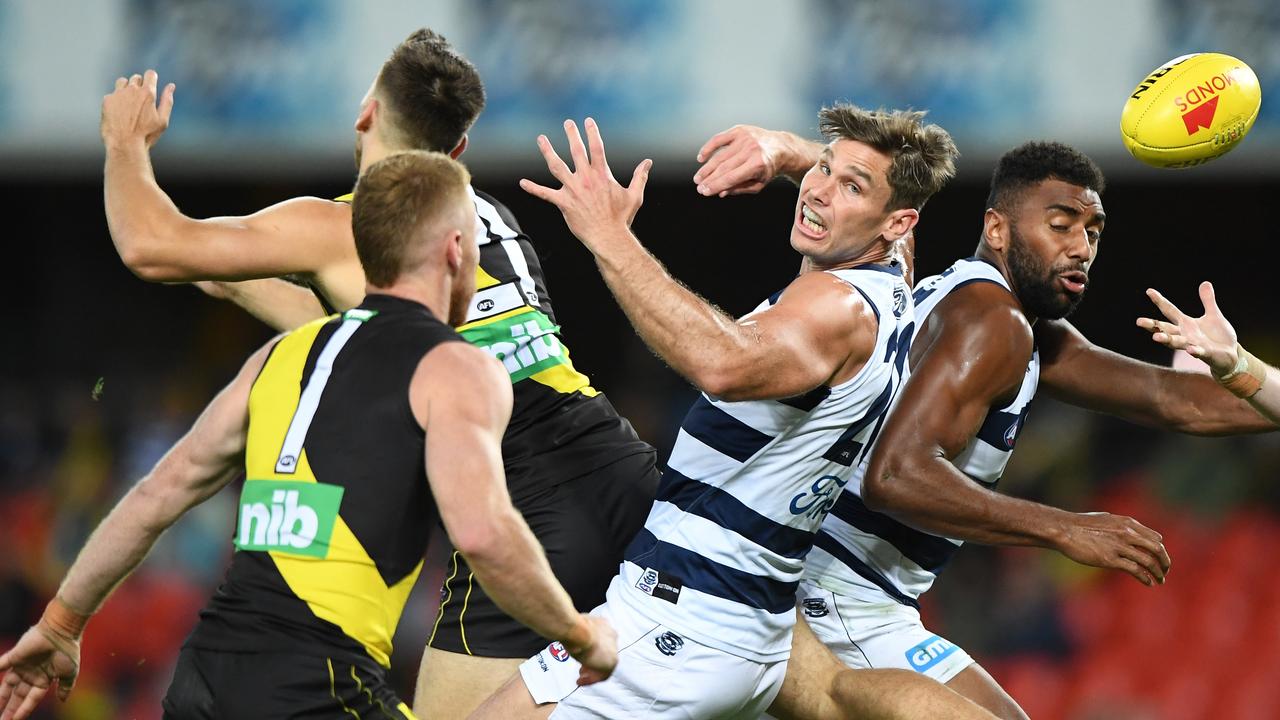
(866, 554)
(336, 511)
(561, 427)
(748, 484)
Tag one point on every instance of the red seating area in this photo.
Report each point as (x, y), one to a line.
(1206, 644)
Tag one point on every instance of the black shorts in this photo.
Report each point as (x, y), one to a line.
(584, 525)
(209, 684)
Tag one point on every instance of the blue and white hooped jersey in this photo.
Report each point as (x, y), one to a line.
(748, 484)
(866, 554)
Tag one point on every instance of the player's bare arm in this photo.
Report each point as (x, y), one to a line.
(279, 303)
(972, 355)
(462, 398)
(1212, 338)
(785, 350)
(199, 465)
(306, 236)
(745, 158)
(1076, 371)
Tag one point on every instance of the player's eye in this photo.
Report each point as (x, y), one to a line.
(1059, 228)
(1095, 235)
(824, 168)
(853, 188)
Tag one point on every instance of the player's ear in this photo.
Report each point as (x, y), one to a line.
(901, 222)
(460, 148)
(453, 254)
(364, 120)
(995, 230)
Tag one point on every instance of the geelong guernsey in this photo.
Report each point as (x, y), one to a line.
(866, 554)
(748, 484)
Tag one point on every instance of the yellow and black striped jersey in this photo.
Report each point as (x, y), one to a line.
(560, 427)
(336, 511)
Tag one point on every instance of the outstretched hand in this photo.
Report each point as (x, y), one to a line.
(131, 111)
(1116, 542)
(34, 665)
(594, 204)
(1209, 337)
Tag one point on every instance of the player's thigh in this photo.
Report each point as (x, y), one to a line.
(976, 683)
(451, 685)
(807, 689)
(887, 635)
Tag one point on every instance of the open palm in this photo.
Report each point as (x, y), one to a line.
(1208, 337)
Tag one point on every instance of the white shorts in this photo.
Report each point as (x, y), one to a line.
(659, 673)
(878, 635)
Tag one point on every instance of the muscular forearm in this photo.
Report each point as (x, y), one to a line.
(938, 499)
(1194, 403)
(139, 213)
(1267, 400)
(514, 572)
(116, 547)
(278, 303)
(695, 338)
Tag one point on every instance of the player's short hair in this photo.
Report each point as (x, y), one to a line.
(393, 200)
(923, 156)
(1036, 161)
(431, 94)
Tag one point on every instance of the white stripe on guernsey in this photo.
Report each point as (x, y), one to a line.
(672, 525)
(983, 460)
(310, 400)
(693, 458)
(486, 210)
(516, 255)
(881, 556)
(770, 418)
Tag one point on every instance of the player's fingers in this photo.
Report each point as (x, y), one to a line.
(1175, 342)
(748, 189)
(149, 80)
(539, 191)
(557, 167)
(1153, 548)
(639, 179)
(576, 149)
(1170, 310)
(166, 103)
(121, 82)
(717, 142)
(735, 177)
(715, 164)
(1147, 561)
(1134, 569)
(725, 171)
(595, 143)
(30, 702)
(1209, 299)
(135, 80)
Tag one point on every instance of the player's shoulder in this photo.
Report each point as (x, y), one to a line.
(488, 204)
(459, 364)
(985, 313)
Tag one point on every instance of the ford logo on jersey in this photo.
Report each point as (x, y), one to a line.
(825, 490)
(929, 653)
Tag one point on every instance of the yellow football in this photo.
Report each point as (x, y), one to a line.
(1190, 110)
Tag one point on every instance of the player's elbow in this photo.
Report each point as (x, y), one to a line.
(882, 485)
(481, 540)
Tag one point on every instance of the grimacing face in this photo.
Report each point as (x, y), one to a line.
(841, 209)
(1053, 242)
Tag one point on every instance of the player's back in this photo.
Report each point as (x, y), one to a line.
(866, 554)
(747, 485)
(336, 510)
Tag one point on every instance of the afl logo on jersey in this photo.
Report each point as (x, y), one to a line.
(1011, 435)
(557, 651)
(485, 305)
(899, 301)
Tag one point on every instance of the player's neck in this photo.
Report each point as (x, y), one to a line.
(998, 260)
(434, 295)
